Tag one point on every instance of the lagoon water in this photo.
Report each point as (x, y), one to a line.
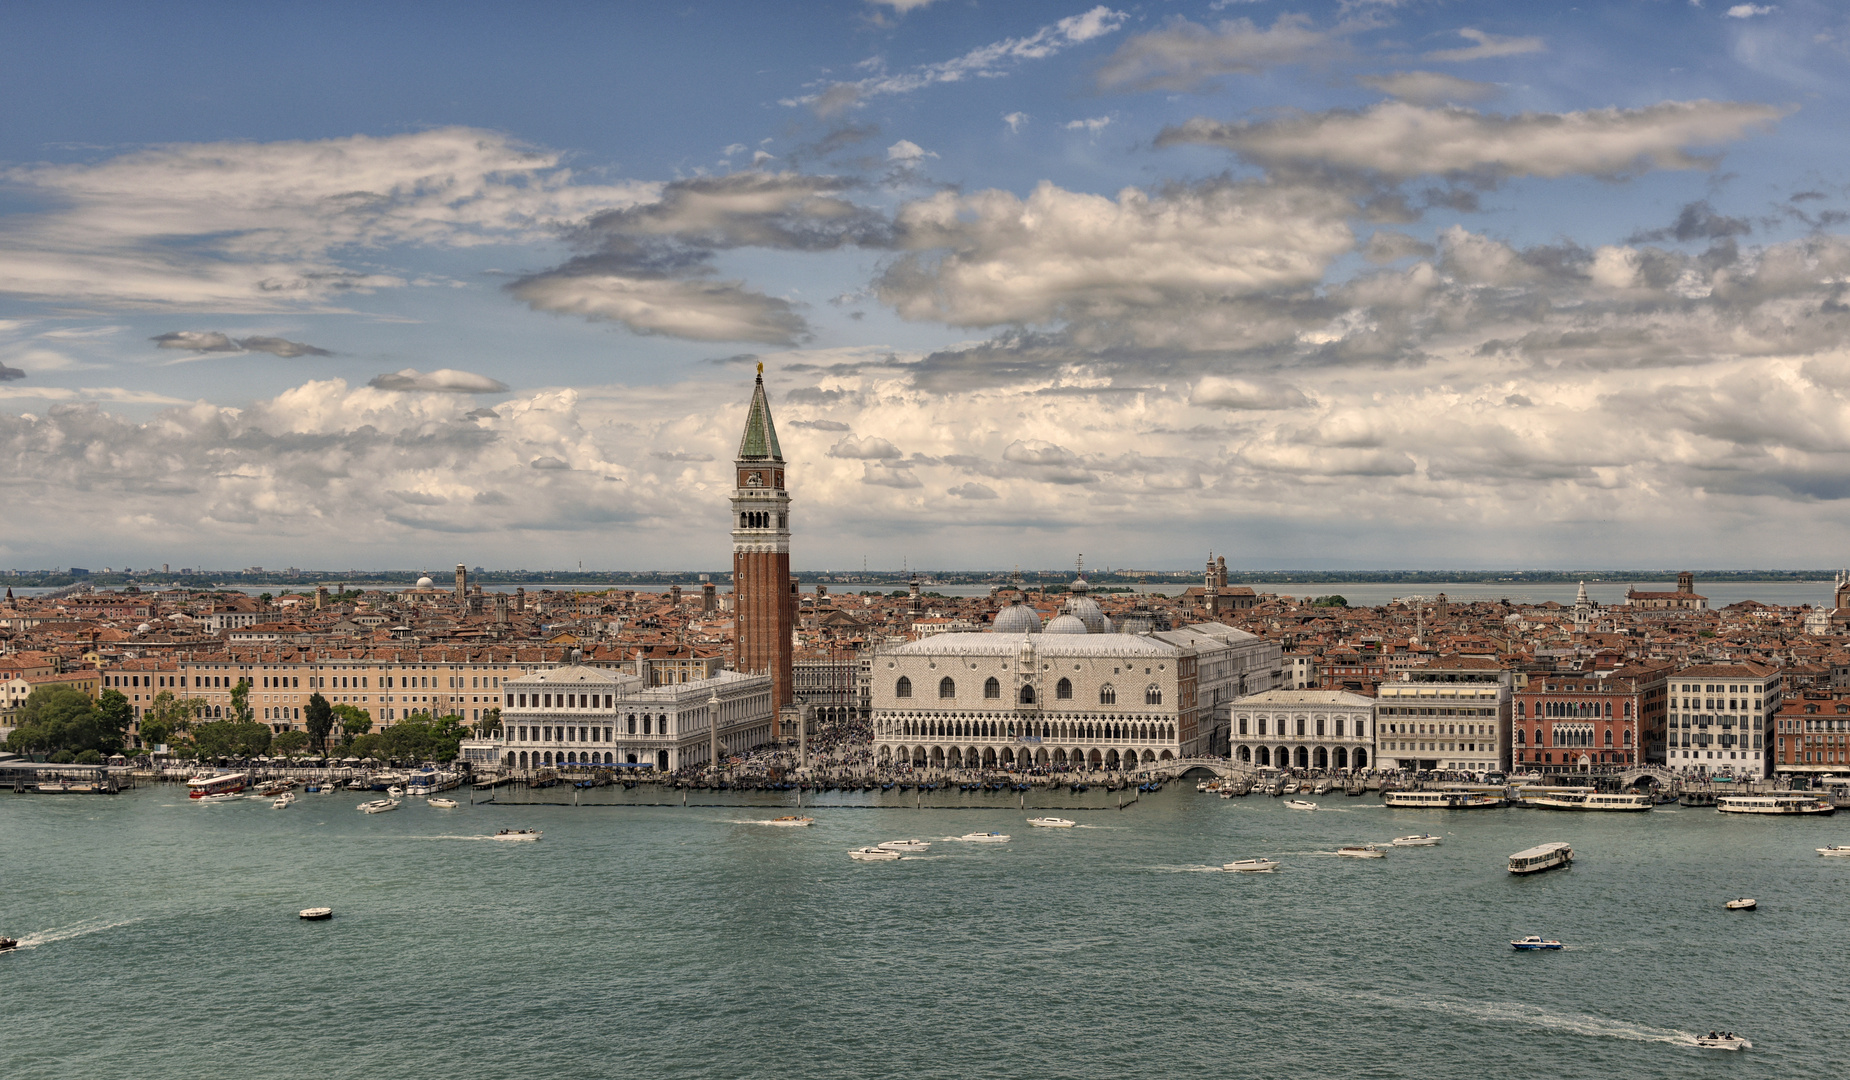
(160, 940)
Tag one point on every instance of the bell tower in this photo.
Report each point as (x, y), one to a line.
(763, 612)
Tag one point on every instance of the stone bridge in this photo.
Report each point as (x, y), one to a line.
(1180, 767)
(1656, 773)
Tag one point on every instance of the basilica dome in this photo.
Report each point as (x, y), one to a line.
(1066, 624)
(425, 583)
(1018, 618)
(1087, 611)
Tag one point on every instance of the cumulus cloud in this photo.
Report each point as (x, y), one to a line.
(1696, 221)
(1398, 140)
(212, 341)
(1016, 121)
(1095, 124)
(985, 62)
(1387, 245)
(548, 462)
(1748, 11)
(1487, 47)
(907, 152)
(972, 490)
(1215, 392)
(1430, 87)
(443, 380)
(889, 475)
(274, 226)
(696, 310)
(871, 447)
(1189, 57)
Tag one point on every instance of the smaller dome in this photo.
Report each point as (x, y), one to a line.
(1080, 585)
(143, 628)
(1018, 619)
(1087, 611)
(425, 583)
(1066, 624)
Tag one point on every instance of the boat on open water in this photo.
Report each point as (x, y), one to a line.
(1723, 1040)
(316, 914)
(791, 821)
(1440, 800)
(1250, 866)
(1051, 822)
(986, 837)
(1621, 802)
(379, 806)
(1362, 851)
(1745, 903)
(873, 854)
(1841, 850)
(442, 804)
(1300, 804)
(201, 787)
(518, 834)
(1774, 804)
(1541, 857)
(1535, 943)
(905, 847)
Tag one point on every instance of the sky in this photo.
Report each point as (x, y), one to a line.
(1307, 285)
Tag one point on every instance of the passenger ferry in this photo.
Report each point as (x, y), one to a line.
(431, 781)
(1440, 800)
(1591, 801)
(1541, 857)
(1773, 804)
(223, 784)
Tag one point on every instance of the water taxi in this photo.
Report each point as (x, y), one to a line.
(1250, 866)
(986, 837)
(1726, 1040)
(316, 914)
(1592, 800)
(1541, 857)
(1835, 849)
(1773, 804)
(519, 834)
(1440, 800)
(200, 787)
(1300, 804)
(1291, 787)
(8, 943)
(1743, 904)
(282, 801)
(1535, 943)
(791, 821)
(1419, 840)
(379, 806)
(1051, 822)
(1363, 851)
(873, 854)
(432, 781)
(223, 796)
(905, 847)
(442, 804)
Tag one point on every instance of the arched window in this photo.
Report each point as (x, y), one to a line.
(1027, 695)
(1153, 695)
(947, 687)
(1107, 695)
(1519, 737)
(1608, 736)
(902, 688)
(992, 689)
(1063, 689)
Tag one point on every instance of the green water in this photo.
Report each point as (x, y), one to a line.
(160, 940)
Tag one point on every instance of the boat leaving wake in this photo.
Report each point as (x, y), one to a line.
(82, 929)
(1536, 1016)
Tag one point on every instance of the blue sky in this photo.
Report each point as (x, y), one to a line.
(1340, 284)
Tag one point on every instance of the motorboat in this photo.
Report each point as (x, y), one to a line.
(1323, 788)
(282, 801)
(1534, 943)
(986, 837)
(317, 914)
(442, 804)
(1051, 822)
(873, 854)
(1724, 1040)
(1418, 840)
(429, 781)
(395, 791)
(791, 821)
(1300, 804)
(1292, 787)
(1743, 904)
(1250, 866)
(358, 785)
(1841, 850)
(518, 834)
(379, 806)
(8, 943)
(223, 796)
(1541, 857)
(905, 847)
(1362, 851)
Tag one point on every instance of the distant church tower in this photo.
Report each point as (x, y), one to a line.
(762, 603)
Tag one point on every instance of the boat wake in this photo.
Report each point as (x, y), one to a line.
(76, 930)
(1505, 1013)
(1189, 869)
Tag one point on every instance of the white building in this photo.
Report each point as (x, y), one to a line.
(1076, 695)
(1720, 719)
(577, 714)
(1303, 729)
(1452, 714)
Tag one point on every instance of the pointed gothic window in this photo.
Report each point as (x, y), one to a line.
(1027, 695)
(1063, 690)
(1107, 695)
(1153, 695)
(947, 687)
(903, 688)
(992, 689)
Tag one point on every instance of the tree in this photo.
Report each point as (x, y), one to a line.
(290, 742)
(176, 713)
(318, 718)
(116, 716)
(489, 724)
(228, 738)
(354, 720)
(241, 702)
(57, 720)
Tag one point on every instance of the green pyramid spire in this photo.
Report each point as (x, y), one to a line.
(760, 441)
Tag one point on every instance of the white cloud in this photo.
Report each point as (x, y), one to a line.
(1430, 87)
(272, 226)
(1488, 46)
(873, 447)
(903, 6)
(443, 380)
(1400, 140)
(696, 310)
(1187, 56)
(1748, 11)
(212, 341)
(1094, 125)
(1016, 121)
(1214, 392)
(908, 152)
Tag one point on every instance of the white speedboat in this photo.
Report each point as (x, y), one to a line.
(282, 801)
(395, 791)
(790, 821)
(1051, 822)
(1292, 787)
(1419, 840)
(986, 837)
(905, 847)
(1535, 943)
(873, 854)
(316, 914)
(1722, 1040)
(1841, 850)
(1363, 851)
(1743, 904)
(1250, 866)
(379, 806)
(1541, 857)
(518, 834)
(442, 804)
(223, 796)
(1300, 804)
